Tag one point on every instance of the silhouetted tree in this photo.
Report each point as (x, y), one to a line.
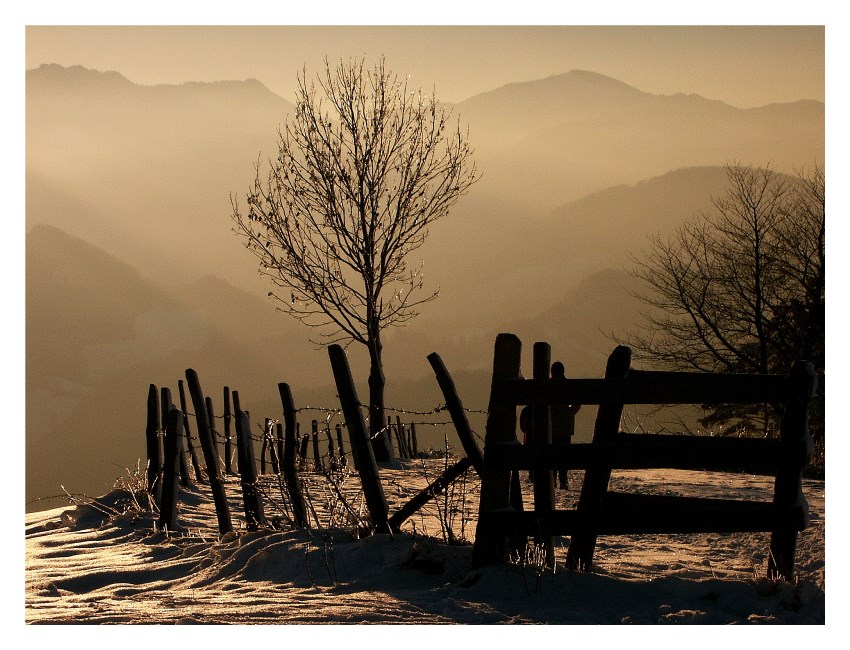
(364, 166)
(742, 289)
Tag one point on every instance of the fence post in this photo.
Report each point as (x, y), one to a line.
(340, 448)
(399, 437)
(188, 435)
(373, 491)
(450, 474)
(797, 448)
(154, 480)
(168, 504)
(489, 547)
(228, 441)
(205, 434)
(166, 404)
(596, 478)
(455, 408)
(251, 499)
(214, 435)
(317, 455)
(331, 455)
(544, 486)
(263, 447)
(290, 469)
(302, 449)
(415, 442)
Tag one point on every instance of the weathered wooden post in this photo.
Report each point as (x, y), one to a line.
(154, 480)
(280, 444)
(398, 437)
(302, 450)
(251, 497)
(596, 477)
(373, 491)
(436, 487)
(331, 455)
(222, 510)
(318, 465)
(278, 429)
(264, 445)
(214, 434)
(797, 448)
(544, 486)
(415, 442)
(458, 414)
(340, 448)
(168, 504)
(228, 440)
(491, 546)
(188, 435)
(166, 404)
(290, 469)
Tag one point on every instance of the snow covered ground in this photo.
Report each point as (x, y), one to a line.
(83, 566)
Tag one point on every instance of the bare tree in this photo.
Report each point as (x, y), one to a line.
(741, 289)
(365, 165)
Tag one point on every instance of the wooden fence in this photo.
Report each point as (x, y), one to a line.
(503, 527)
(171, 453)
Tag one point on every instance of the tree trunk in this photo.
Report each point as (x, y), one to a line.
(377, 420)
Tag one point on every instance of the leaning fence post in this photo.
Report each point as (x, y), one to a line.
(188, 435)
(168, 504)
(251, 498)
(205, 434)
(228, 441)
(490, 547)
(154, 480)
(596, 477)
(373, 491)
(290, 469)
(544, 486)
(455, 408)
(450, 474)
(797, 449)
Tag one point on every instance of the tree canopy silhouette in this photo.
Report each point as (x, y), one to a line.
(364, 167)
(741, 289)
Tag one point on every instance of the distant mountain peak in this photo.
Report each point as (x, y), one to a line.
(78, 76)
(54, 72)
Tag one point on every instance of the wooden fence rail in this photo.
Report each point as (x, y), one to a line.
(601, 512)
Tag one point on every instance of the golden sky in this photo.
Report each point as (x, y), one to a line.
(742, 65)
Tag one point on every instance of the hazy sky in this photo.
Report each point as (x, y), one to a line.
(741, 65)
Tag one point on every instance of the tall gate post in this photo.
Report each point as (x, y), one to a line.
(797, 448)
(490, 547)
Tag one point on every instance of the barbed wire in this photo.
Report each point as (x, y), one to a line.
(440, 408)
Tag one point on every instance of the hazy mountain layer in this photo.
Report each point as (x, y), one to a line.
(134, 275)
